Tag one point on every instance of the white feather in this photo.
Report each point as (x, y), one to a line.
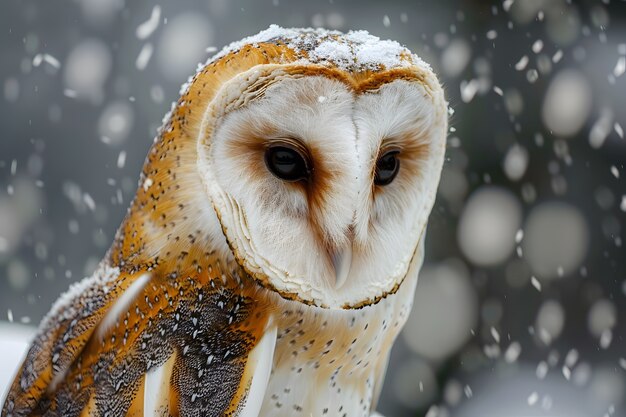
(155, 385)
(260, 359)
(122, 304)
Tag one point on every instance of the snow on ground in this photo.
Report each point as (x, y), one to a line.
(14, 342)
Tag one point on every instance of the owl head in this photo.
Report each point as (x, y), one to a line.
(322, 160)
(319, 155)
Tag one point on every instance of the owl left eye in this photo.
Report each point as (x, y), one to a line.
(287, 163)
(387, 168)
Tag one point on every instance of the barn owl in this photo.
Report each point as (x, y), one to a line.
(270, 255)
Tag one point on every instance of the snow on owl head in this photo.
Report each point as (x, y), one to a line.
(321, 154)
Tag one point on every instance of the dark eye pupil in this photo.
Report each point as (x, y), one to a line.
(387, 168)
(286, 163)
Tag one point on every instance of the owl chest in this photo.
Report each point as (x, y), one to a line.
(332, 363)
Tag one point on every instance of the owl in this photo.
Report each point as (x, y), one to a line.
(270, 256)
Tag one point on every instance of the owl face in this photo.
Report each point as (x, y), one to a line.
(323, 185)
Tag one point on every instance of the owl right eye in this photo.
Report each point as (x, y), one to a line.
(387, 168)
(287, 163)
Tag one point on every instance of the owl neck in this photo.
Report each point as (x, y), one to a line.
(170, 225)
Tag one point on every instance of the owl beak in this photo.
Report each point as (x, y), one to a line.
(342, 260)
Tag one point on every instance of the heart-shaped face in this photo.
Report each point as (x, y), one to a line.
(323, 181)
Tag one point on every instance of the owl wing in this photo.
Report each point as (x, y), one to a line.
(136, 344)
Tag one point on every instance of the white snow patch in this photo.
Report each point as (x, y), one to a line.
(535, 282)
(47, 58)
(468, 90)
(512, 353)
(147, 184)
(355, 50)
(601, 128)
(121, 159)
(338, 52)
(615, 171)
(521, 64)
(620, 66)
(14, 342)
(146, 29)
(144, 56)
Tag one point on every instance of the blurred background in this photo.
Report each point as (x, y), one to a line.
(521, 306)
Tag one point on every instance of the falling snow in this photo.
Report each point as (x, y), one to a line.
(144, 56)
(620, 67)
(522, 292)
(148, 27)
(47, 58)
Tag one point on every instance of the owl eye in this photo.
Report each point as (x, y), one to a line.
(287, 163)
(387, 168)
